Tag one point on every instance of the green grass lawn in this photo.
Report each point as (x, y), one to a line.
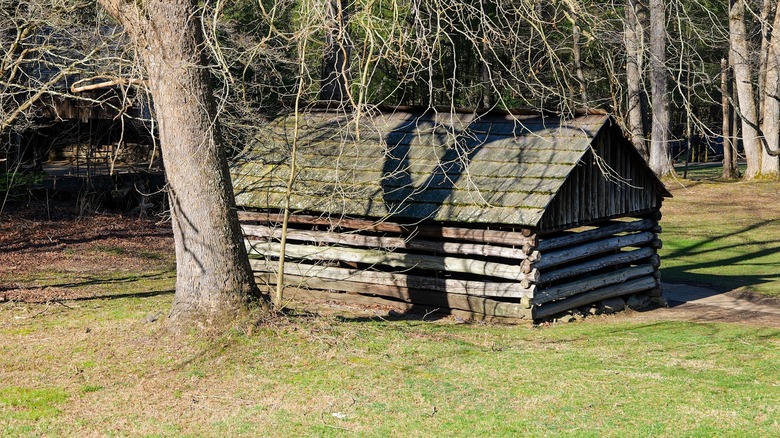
(704, 171)
(95, 368)
(724, 235)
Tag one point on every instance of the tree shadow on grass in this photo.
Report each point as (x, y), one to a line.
(20, 245)
(714, 281)
(148, 294)
(41, 291)
(91, 280)
(413, 315)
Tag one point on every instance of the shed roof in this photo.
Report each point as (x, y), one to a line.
(449, 167)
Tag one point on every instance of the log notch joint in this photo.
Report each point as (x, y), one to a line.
(498, 217)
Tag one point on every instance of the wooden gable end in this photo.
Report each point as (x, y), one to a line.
(612, 180)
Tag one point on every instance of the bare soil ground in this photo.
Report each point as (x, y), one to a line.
(48, 255)
(56, 255)
(697, 304)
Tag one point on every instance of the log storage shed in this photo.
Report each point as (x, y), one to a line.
(494, 217)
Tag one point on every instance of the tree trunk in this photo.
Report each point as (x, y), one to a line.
(766, 31)
(660, 161)
(729, 170)
(213, 280)
(770, 124)
(336, 60)
(634, 36)
(577, 54)
(744, 87)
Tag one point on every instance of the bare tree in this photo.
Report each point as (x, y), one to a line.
(214, 281)
(770, 99)
(634, 43)
(729, 162)
(743, 77)
(660, 161)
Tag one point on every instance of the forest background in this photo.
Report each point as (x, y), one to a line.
(664, 68)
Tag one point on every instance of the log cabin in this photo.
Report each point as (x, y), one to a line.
(500, 217)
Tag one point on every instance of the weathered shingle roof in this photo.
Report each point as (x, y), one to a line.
(495, 169)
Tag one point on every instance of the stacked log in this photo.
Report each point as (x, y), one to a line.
(493, 274)
(586, 266)
(476, 273)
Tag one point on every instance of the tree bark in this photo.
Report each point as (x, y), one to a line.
(336, 60)
(744, 87)
(577, 54)
(634, 37)
(770, 124)
(766, 30)
(729, 169)
(213, 280)
(660, 161)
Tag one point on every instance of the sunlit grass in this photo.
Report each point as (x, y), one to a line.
(704, 171)
(94, 367)
(723, 235)
(337, 375)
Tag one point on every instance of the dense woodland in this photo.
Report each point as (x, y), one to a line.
(657, 65)
(675, 73)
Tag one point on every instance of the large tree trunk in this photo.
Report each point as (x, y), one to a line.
(634, 41)
(766, 31)
(213, 280)
(770, 123)
(729, 167)
(744, 86)
(660, 161)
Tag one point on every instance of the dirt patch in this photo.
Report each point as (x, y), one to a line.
(699, 304)
(49, 254)
(702, 313)
(752, 297)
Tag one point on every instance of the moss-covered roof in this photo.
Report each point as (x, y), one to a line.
(450, 167)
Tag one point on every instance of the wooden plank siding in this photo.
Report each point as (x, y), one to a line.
(615, 189)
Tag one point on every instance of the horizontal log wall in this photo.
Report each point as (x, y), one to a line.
(497, 274)
(401, 281)
(485, 274)
(584, 266)
(524, 238)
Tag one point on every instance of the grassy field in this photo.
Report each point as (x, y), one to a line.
(96, 368)
(99, 363)
(722, 235)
